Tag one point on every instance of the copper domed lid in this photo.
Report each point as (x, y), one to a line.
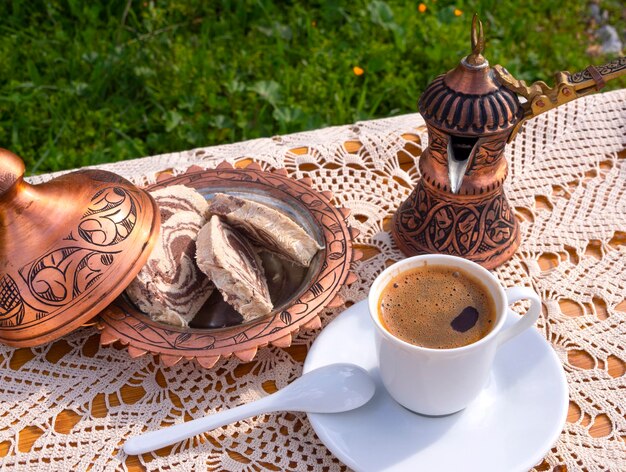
(469, 100)
(68, 247)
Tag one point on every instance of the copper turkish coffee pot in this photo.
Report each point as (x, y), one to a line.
(458, 206)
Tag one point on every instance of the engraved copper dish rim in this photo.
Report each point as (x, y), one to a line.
(122, 322)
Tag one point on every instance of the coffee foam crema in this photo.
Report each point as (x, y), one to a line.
(437, 307)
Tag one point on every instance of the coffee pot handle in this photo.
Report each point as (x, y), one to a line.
(540, 97)
(529, 319)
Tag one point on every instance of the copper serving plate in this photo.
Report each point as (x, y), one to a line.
(297, 306)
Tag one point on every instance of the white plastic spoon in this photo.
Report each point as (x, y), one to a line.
(329, 389)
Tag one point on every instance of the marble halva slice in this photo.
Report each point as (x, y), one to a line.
(267, 228)
(235, 269)
(170, 288)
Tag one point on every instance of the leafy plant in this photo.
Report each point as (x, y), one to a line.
(84, 83)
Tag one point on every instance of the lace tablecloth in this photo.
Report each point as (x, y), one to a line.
(67, 406)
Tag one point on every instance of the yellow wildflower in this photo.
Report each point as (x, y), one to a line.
(421, 8)
(357, 70)
(457, 12)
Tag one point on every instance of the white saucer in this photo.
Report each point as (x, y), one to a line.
(509, 427)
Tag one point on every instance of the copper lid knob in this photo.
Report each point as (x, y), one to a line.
(68, 247)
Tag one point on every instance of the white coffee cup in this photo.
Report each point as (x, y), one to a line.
(443, 381)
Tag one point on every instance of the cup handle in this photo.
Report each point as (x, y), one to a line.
(514, 294)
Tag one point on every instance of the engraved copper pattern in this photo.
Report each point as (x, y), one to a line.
(614, 67)
(485, 173)
(70, 246)
(432, 221)
(463, 111)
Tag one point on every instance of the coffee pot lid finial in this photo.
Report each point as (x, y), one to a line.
(478, 43)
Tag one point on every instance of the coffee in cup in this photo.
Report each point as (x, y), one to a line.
(438, 307)
(440, 381)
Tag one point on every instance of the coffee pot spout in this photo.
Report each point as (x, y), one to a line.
(461, 152)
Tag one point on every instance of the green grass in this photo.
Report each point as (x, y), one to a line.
(87, 82)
